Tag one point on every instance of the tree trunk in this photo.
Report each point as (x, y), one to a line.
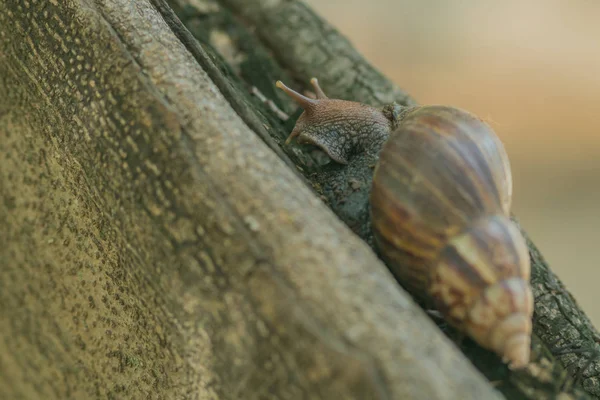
(159, 242)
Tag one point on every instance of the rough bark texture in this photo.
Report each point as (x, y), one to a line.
(154, 247)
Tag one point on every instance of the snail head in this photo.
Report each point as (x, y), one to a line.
(338, 127)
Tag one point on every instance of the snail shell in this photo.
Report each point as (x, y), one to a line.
(440, 206)
(440, 211)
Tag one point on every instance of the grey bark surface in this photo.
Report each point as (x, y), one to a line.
(156, 242)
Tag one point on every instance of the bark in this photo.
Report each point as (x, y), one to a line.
(157, 244)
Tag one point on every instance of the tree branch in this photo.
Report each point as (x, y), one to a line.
(154, 247)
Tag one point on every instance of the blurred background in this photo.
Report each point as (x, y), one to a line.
(532, 70)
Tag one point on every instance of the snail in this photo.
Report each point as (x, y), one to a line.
(440, 204)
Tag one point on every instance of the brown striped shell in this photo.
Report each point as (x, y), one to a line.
(440, 210)
(440, 204)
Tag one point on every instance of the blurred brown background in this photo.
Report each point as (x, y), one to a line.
(532, 69)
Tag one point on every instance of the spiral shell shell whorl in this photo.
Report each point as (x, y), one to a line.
(440, 206)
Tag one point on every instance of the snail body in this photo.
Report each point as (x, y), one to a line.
(440, 210)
